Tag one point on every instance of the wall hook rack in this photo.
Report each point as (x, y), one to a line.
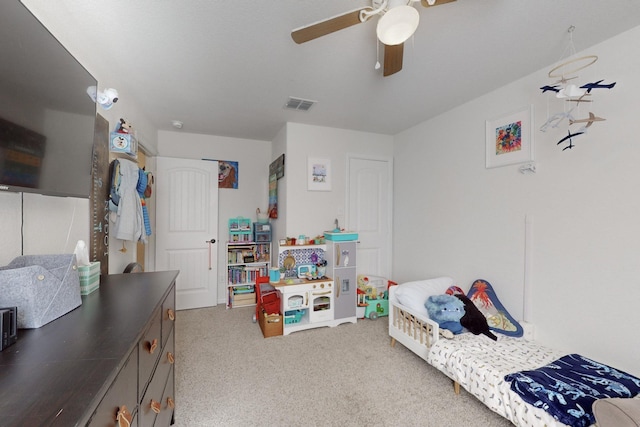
(528, 167)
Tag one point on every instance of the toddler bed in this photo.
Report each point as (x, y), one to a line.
(475, 362)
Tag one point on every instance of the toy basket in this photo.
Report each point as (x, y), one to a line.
(293, 316)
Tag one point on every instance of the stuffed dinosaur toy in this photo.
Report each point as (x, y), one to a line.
(446, 310)
(473, 318)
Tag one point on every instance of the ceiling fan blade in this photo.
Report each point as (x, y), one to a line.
(437, 3)
(392, 59)
(327, 26)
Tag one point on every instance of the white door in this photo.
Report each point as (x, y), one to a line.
(187, 223)
(370, 211)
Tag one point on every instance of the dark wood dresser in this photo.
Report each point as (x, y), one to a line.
(115, 350)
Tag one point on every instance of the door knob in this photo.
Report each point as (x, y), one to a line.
(211, 241)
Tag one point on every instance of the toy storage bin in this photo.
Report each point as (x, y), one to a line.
(240, 229)
(270, 324)
(261, 232)
(293, 316)
(43, 287)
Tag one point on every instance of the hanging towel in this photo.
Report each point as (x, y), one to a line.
(129, 220)
(145, 217)
(140, 188)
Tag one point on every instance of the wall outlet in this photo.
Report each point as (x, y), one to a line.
(529, 331)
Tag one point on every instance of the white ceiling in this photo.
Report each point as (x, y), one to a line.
(227, 67)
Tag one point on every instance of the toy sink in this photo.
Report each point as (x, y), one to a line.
(340, 236)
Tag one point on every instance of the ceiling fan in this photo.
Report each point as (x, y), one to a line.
(398, 21)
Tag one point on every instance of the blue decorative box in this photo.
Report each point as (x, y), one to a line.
(123, 143)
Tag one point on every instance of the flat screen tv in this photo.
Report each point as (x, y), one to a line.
(46, 117)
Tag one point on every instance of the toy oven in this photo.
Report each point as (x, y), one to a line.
(295, 301)
(321, 301)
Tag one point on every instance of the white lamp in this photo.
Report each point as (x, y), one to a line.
(397, 25)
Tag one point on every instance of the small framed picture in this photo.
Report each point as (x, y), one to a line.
(509, 139)
(318, 174)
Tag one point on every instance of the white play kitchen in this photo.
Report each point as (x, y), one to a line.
(319, 284)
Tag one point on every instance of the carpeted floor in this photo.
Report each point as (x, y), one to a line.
(227, 374)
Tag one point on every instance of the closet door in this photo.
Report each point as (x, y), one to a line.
(370, 195)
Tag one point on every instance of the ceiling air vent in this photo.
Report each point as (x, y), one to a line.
(299, 104)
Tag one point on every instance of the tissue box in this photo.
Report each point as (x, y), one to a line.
(89, 277)
(43, 287)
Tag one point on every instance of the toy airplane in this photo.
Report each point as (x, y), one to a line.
(597, 85)
(569, 136)
(592, 118)
(581, 99)
(553, 88)
(556, 119)
(563, 80)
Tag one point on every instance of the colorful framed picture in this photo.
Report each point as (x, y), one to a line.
(228, 174)
(509, 139)
(318, 174)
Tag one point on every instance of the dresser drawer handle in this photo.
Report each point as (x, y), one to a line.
(170, 403)
(124, 417)
(153, 345)
(170, 357)
(171, 314)
(155, 406)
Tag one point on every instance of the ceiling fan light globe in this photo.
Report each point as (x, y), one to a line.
(397, 25)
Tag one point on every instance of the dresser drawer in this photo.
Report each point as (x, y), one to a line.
(149, 349)
(168, 403)
(154, 395)
(123, 392)
(168, 315)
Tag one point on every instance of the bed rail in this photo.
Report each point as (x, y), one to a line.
(412, 330)
(412, 326)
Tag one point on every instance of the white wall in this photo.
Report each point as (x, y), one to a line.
(51, 213)
(252, 192)
(454, 217)
(312, 212)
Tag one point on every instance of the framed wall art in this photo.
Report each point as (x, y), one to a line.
(273, 196)
(277, 167)
(509, 139)
(318, 174)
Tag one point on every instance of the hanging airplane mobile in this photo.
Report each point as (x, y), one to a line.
(553, 88)
(589, 121)
(597, 85)
(569, 137)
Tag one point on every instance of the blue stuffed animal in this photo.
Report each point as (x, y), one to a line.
(446, 310)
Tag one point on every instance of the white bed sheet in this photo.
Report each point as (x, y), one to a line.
(479, 365)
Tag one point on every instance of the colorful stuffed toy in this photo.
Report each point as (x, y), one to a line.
(446, 310)
(485, 298)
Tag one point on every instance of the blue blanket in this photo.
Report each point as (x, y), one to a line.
(566, 388)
